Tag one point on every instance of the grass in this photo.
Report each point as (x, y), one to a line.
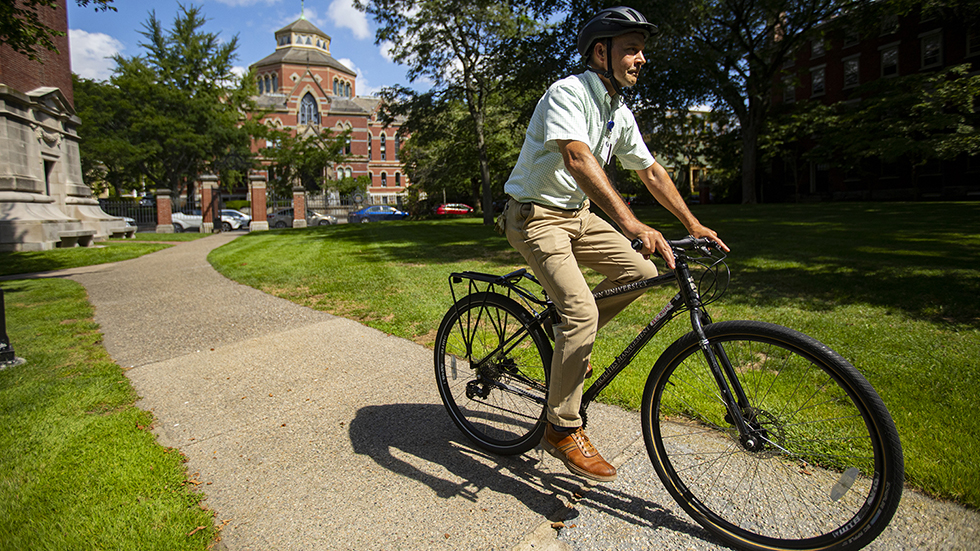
(895, 287)
(13, 263)
(79, 467)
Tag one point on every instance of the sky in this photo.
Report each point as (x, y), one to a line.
(96, 36)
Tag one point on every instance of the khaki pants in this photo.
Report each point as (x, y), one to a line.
(554, 242)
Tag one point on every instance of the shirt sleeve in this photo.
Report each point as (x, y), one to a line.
(563, 117)
(631, 150)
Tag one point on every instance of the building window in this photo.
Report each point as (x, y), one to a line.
(889, 61)
(384, 179)
(370, 142)
(851, 72)
(932, 50)
(851, 37)
(816, 48)
(347, 89)
(973, 40)
(789, 90)
(275, 84)
(889, 24)
(398, 179)
(261, 86)
(818, 81)
(308, 112)
(397, 145)
(335, 87)
(382, 147)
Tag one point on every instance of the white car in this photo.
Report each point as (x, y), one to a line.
(230, 220)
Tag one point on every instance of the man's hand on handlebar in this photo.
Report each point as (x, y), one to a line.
(654, 242)
(702, 231)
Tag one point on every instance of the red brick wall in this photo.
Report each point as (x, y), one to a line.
(51, 69)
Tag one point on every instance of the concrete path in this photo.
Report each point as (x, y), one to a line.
(309, 431)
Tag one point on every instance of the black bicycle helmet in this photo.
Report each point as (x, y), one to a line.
(612, 22)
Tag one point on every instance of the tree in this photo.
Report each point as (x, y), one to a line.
(23, 29)
(462, 47)
(440, 159)
(726, 54)
(915, 119)
(302, 158)
(108, 156)
(179, 107)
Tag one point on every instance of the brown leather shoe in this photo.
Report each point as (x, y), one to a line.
(576, 452)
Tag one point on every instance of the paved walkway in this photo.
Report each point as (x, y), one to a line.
(309, 431)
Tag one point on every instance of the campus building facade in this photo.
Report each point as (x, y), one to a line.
(303, 88)
(830, 68)
(44, 203)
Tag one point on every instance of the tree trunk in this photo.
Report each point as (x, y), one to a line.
(750, 143)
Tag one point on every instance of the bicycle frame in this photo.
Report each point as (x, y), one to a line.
(687, 298)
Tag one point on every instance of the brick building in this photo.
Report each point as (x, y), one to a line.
(44, 203)
(305, 89)
(830, 68)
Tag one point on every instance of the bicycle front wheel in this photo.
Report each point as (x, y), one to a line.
(492, 363)
(824, 469)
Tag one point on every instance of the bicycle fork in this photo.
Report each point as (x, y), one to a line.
(732, 394)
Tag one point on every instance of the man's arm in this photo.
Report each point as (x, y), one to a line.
(584, 167)
(658, 182)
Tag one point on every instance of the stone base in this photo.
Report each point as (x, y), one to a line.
(258, 226)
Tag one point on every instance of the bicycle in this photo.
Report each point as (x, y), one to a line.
(763, 435)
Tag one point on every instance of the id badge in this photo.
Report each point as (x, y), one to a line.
(606, 151)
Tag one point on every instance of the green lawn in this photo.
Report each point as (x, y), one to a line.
(12, 263)
(892, 286)
(79, 467)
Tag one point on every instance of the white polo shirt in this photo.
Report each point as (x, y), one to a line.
(574, 108)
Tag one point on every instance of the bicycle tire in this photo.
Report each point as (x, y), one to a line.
(821, 425)
(492, 363)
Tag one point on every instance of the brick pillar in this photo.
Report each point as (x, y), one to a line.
(165, 224)
(299, 207)
(257, 187)
(209, 186)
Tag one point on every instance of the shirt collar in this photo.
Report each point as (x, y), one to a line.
(598, 90)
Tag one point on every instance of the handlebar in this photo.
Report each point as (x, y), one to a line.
(690, 242)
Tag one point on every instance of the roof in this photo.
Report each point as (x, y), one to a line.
(302, 26)
(303, 56)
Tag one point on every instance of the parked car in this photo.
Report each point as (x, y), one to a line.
(191, 221)
(186, 221)
(284, 219)
(376, 213)
(454, 208)
(232, 219)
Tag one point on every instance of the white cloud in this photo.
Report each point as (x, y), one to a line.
(344, 14)
(386, 50)
(91, 53)
(363, 87)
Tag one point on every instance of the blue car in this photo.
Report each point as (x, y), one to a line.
(375, 214)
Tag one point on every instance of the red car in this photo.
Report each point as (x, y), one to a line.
(453, 208)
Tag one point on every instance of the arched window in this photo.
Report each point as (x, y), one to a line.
(397, 143)
(347, 89)
(261, 86)
(382, 147)
(398, 179)
(308, 111)
(335, 87)
(275, 84)
(370, 144)
(384, 179)
(347, 172)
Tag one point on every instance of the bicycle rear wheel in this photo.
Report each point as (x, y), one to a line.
(826, 471)
(492, 364)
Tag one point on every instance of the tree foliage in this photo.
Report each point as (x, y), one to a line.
(915, 119)
(22, 28)
(301, 159)
(463, 48)
(175, 113)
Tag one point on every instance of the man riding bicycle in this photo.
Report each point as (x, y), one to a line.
(576, 128)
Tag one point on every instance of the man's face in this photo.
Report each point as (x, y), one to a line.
(627, 57)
